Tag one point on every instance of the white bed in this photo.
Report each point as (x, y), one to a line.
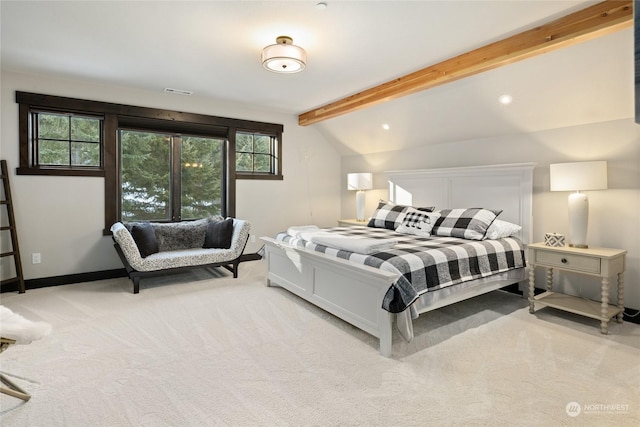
(354, 292)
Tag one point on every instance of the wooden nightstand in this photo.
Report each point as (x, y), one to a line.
(601, 262)
(350, 222)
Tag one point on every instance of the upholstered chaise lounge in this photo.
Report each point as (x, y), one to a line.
(155, 249)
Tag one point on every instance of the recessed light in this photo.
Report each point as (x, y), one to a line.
(385, 126)
(505, 99)
(321, 6)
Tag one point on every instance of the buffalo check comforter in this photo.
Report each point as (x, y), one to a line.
(424, 264)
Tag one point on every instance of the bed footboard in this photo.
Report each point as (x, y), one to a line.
(351, 292)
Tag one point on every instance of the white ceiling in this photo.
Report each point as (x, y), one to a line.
(213, 49)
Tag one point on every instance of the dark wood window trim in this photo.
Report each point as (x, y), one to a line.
(116, 115)
(28, 165)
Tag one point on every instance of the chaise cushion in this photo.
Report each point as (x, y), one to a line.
(219, 234)
(181, 235)
(145, 237)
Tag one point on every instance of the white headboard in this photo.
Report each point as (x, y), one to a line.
(508, 187)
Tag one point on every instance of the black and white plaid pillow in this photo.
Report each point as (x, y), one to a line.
(471, 224)
(389, 215)
(418, 222)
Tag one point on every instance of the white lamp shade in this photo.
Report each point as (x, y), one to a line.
(359, 181)
(579, 176)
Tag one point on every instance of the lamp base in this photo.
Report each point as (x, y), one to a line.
(578, 219)
(360, 201)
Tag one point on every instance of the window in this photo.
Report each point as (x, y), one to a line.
(256, 153)
(168, 177)
(62, 142)
(157, 165)
(66, 140)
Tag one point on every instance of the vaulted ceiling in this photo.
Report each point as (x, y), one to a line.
(213, 49)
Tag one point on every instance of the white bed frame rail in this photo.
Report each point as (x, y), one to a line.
(350, 291)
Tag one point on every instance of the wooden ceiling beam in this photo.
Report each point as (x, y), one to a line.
(594, 21)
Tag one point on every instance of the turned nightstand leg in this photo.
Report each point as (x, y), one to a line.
(549, 279)
(620, 296)
(604, 316)
(532, 285)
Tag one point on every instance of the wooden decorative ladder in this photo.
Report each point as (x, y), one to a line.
(10, 226)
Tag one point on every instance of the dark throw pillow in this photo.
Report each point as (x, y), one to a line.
(219, 234)
(145, 237)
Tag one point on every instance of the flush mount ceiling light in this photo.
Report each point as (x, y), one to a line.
(284, 56)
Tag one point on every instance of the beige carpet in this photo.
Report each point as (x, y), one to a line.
(193, 350)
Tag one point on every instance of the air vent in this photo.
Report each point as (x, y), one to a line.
(178, 91)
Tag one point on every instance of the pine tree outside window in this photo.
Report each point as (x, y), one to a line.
(170, 177)
(256, 153)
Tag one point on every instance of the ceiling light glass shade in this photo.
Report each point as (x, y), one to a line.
(284, 57)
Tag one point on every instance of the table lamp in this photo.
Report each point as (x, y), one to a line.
(577, 177)
(359, 182)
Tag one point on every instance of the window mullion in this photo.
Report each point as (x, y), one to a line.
(70, 143)
(176, 178)
(229, 153)
(35, 139)
(253, 153)
(272, 157)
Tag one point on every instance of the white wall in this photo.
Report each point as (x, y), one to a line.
(614, 219)
(62, 217)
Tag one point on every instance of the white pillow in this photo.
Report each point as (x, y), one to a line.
(500, 229)
(418, 222)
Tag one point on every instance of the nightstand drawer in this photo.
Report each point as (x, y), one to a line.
(568, 261)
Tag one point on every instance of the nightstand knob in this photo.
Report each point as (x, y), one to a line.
(564, 260)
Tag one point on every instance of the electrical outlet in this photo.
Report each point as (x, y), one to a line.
(36, 258)
(252, 238)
